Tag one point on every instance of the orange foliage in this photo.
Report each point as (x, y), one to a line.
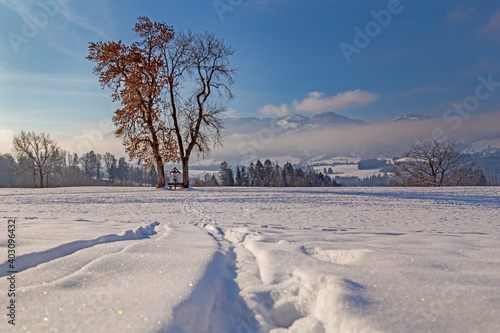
(134, 74)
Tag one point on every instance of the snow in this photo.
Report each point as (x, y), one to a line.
(349, 170)
(282, 160)
(254, 259)
(323, 161)
(483, 145)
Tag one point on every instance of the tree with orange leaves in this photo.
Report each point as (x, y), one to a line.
(136, 75)
(160, 117)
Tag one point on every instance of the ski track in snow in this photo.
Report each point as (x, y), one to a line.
(255, 260)
(34, 259)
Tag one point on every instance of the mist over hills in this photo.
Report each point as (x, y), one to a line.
(300, 138)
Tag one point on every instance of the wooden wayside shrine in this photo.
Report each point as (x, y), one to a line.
(174, 185)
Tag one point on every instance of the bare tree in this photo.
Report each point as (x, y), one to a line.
(432, 163)
(202, 60)
(110, 166)
(38, 152)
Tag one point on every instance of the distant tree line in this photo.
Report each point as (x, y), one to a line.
(267, 174)
(368, 164)
(39, 162)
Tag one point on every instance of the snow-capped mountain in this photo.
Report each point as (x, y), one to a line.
(412, 117)
(291, 122)
(331, 118)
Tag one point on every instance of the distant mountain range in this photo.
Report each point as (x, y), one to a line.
(412, 117)
(295, 122)
(299, 139)
(291, 122)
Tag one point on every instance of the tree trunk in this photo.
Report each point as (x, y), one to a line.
(185, 172)
(41, 177)
(161, 173)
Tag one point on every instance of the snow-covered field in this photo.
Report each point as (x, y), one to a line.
(349, 170)
(253, 260)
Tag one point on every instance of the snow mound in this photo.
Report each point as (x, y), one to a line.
(342, 257)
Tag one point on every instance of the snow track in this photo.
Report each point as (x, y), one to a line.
(34, 259)
(215, 305)
(254, 260)
(276, 298)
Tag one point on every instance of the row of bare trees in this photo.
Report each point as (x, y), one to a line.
(172, 87)
(38, 161)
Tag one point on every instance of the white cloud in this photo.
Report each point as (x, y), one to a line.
(275, 110)
(230, 113)
(317, 102)
(95, 140)
(6, 137)
(493, 25)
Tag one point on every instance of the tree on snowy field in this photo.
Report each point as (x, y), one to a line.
(123, 170)
(277, 177)
(8, 167)
(288, 174)
(110, 166)
(135, 74)
(89, 163)
(226, 175)
(432, 163)
(202, 61)
(239, 178)
(268, 172)
(38, 152)
(244, 177)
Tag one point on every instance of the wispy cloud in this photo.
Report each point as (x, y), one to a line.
(483, 65)
(316, 102)
(19, 7)
(426, 90)
(275, 110)
(63, 79)
(264, 3)
(79, 21)
(460, 14)
(75, 93)
(492, 26)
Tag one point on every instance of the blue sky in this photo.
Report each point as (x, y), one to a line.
(288, 53)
